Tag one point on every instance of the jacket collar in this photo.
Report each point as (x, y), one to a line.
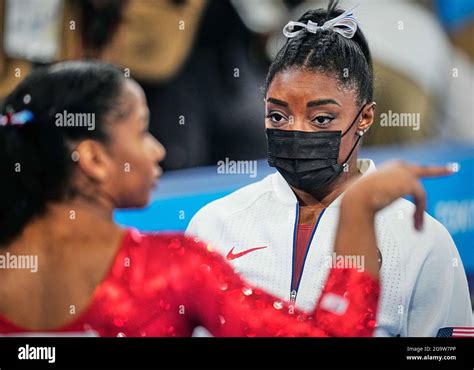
(285, 194)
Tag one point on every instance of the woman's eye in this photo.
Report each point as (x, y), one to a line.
(276, 118)
(322, 120)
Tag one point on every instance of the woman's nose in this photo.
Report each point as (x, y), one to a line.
(160, 151)
(299, 124)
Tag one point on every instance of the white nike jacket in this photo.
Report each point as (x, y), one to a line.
(424, 285)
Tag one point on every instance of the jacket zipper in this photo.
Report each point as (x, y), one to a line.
(294, 288)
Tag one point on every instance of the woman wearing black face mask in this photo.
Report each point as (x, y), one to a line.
(68, 159)
(280, 232)
(63, 174)
(310, 160)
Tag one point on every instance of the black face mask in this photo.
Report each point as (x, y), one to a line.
(307, 160)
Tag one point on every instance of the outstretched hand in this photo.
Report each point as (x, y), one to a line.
(392, 181)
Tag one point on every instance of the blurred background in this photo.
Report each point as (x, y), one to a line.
(202, 64)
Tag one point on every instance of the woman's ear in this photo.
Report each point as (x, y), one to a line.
(367, 117)
(93, 159)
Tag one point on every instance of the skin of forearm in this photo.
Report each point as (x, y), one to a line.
(356, 233)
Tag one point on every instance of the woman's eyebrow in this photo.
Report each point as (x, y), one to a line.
(318, 102)
(277, 102)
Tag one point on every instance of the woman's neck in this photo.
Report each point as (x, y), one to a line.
(323, 200)
(69, 221)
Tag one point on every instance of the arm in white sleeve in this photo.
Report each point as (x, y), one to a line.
(440, 297)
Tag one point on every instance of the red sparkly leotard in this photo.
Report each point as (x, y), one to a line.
(167, 284)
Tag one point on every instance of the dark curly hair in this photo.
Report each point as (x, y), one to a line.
(348, 60)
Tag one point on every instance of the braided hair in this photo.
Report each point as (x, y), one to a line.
(348, 60)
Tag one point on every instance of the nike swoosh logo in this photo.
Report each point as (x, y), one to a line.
(231, 256)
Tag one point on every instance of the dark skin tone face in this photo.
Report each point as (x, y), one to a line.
(304, 100)
(74, 254)
(122, 172)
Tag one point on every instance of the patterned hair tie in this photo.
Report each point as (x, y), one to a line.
(345, 25)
